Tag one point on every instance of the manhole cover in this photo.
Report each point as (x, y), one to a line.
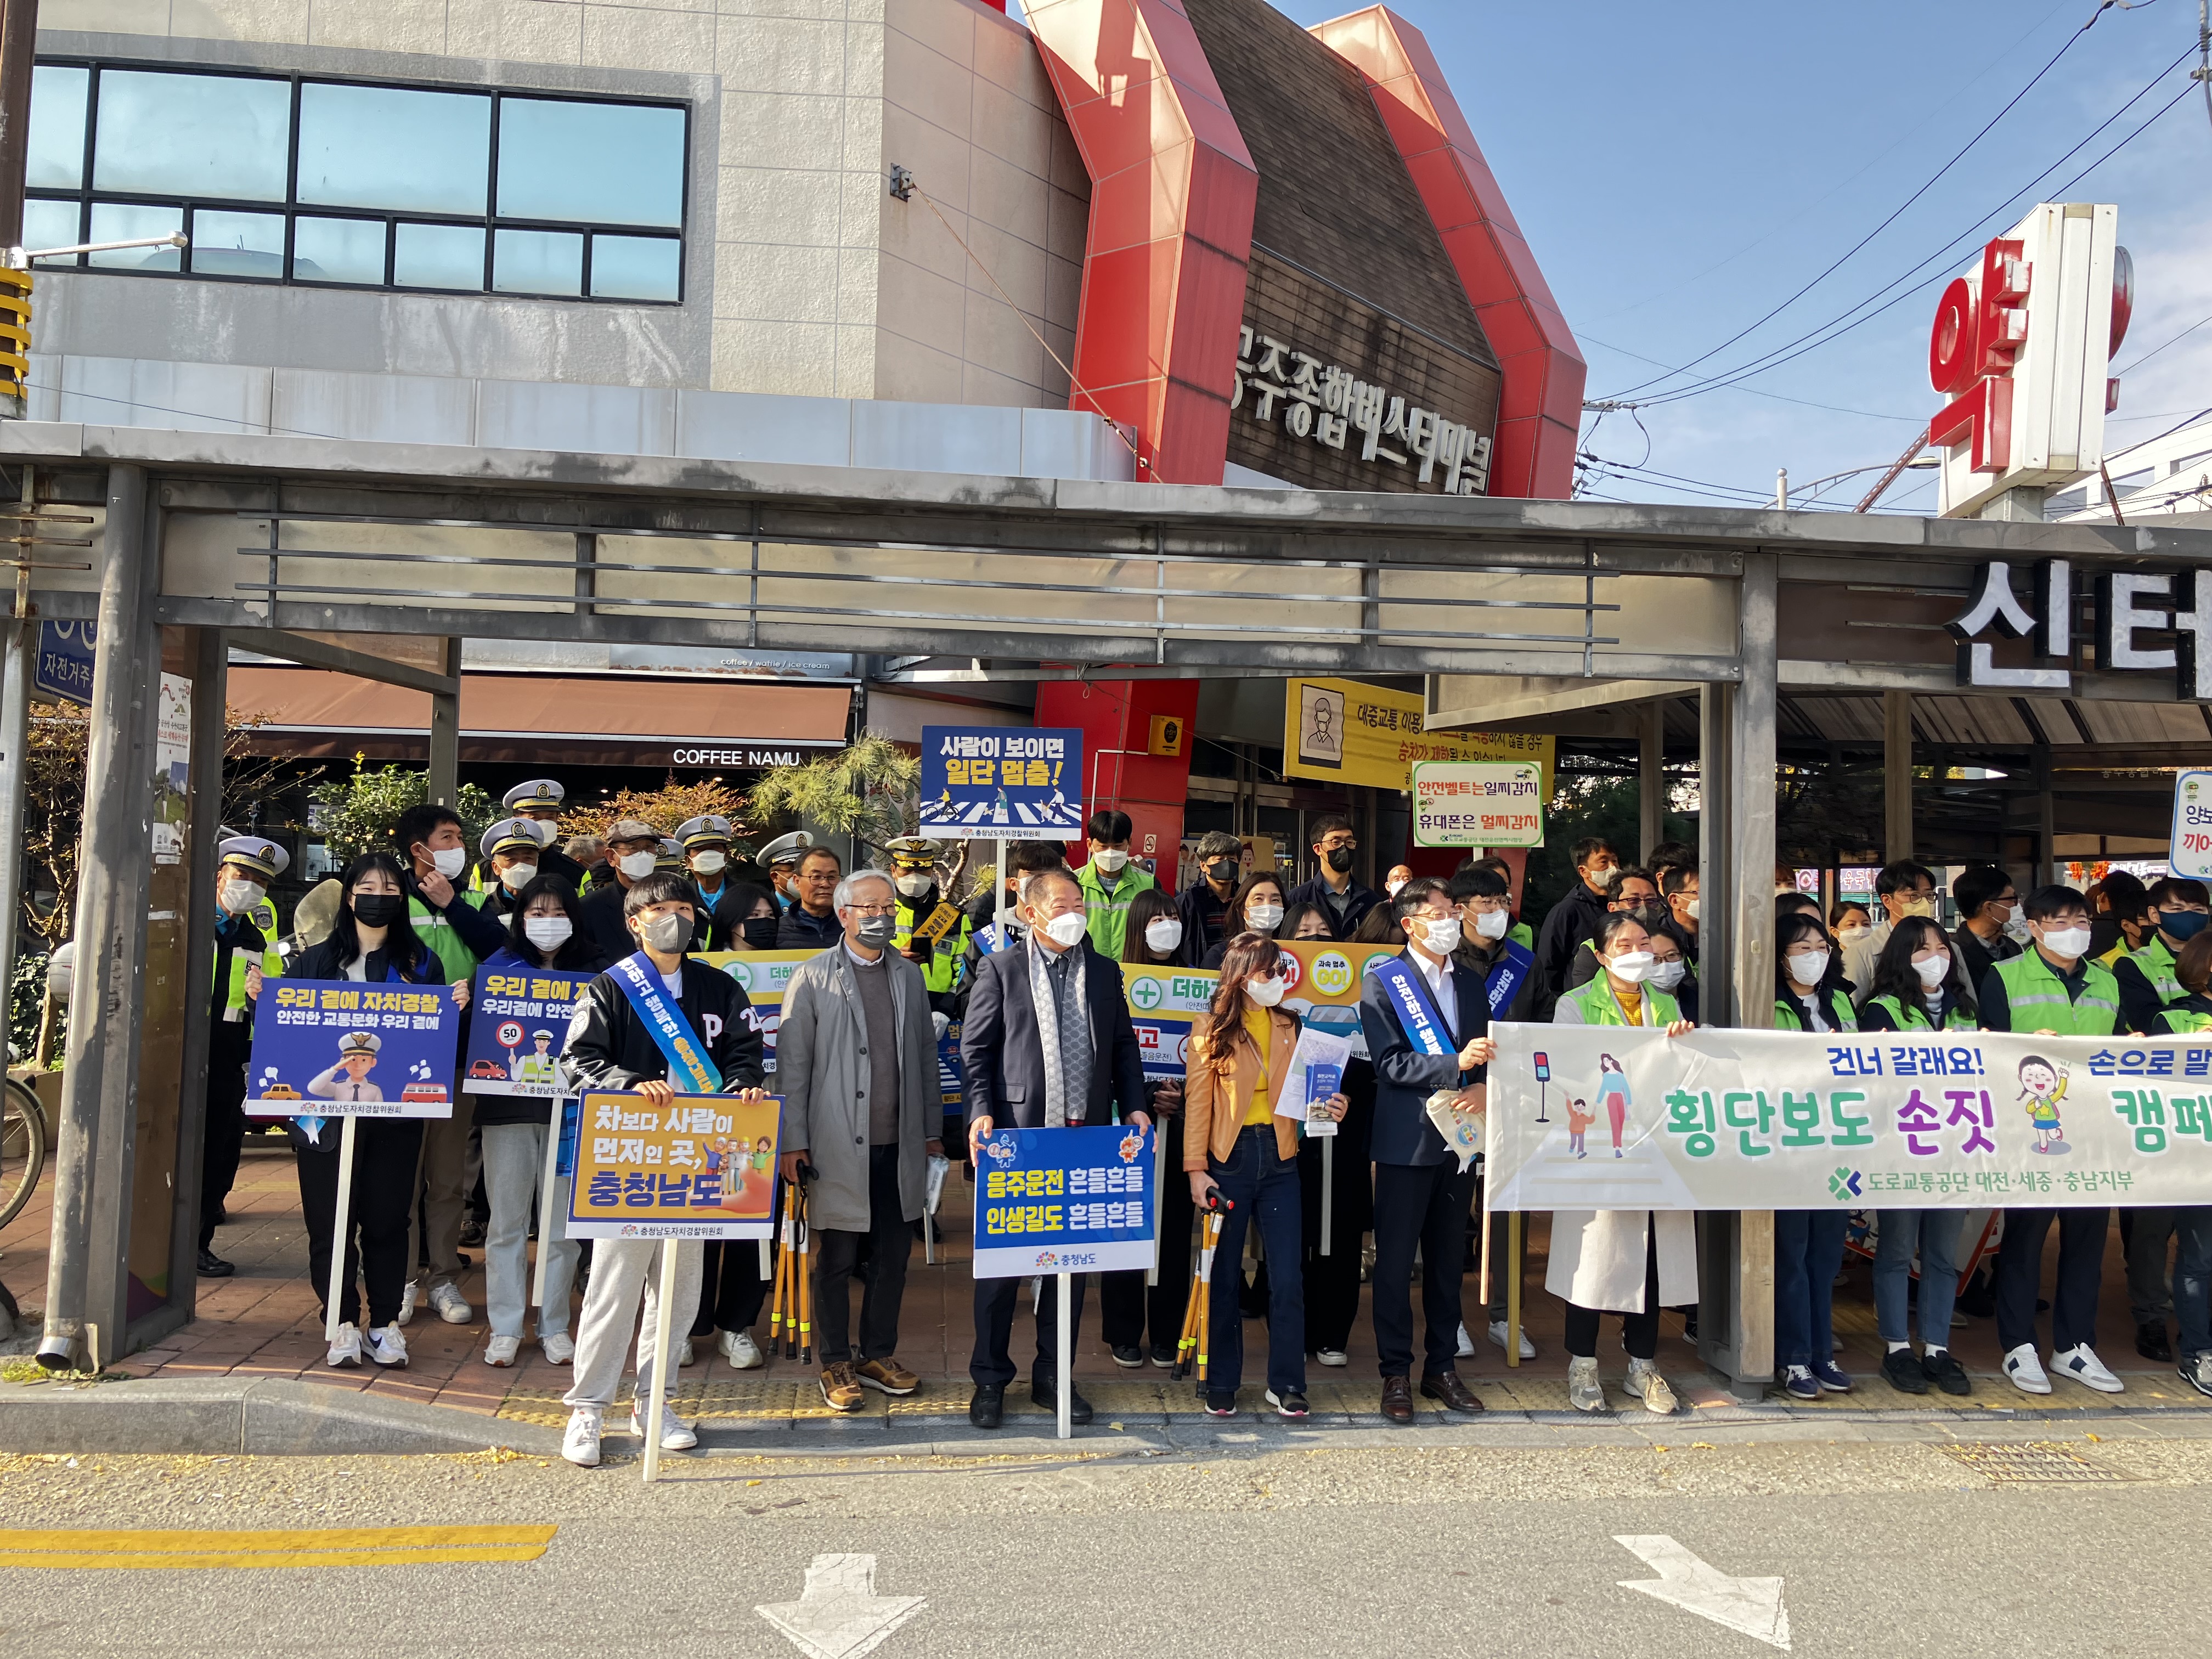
(2034, 1460)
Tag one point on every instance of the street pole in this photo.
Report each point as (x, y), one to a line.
(19, 45)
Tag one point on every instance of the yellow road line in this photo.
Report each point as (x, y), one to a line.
(343, 1546)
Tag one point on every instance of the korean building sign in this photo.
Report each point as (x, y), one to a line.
(1478, 803)
(2128, 610)
(1350, 732)
(1324, 402)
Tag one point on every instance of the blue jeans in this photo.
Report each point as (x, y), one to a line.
(1808, 1249)
(2192, 1279)
(1263, 1186)
(1936, 1233)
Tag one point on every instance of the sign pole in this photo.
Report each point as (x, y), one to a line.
(545, 1211)
(664, 1317)
(999, 917)
(1512, 1288)
(1328, 1194)
(1066, 1349)
(1159, 1174)
(340, 1222)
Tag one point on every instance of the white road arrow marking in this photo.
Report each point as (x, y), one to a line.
(1753, 1606)
(838, 1614)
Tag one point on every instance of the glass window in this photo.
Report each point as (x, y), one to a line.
(637, 267)
(613, 164)
(387, 147)
(121, 221)
(51, 224)
(237, 244)
(439, 256)
(57, 157)
(192, 135)
(538, 262)
(337, 250)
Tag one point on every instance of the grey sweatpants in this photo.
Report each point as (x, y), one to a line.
(621, 1267)
(515, 1164)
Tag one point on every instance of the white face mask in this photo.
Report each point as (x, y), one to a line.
(2015, 928)
(450, 862)
(548, 933)
(1163, 934)
(1668, 975)
(1932, 969)
(709, 864)
(1853, 933)
(1690, 909)
(637, 865)
(1064, 931)
(1263, 918)
(516, 876)
(1634, 966)
(1265, 992)
(1441, 937)
(2067, 941)
(912, 886)
(1493, 924)
(1391, 887)
(240, 896)
(1111, 860)
(1810, 968)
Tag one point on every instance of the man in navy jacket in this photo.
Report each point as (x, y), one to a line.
(1097, 1076)
(1343, 897)
(1421, 1194)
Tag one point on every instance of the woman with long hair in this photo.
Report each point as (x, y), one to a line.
(1257, 907)
(543, 936)
(1238, 1063)
(371, 942)
(1809, 1245)
(1153, 939)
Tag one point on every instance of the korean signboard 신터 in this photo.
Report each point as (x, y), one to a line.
(1002, 782)
(1348, 732)
(1064, 1202)
(704, 1166)
(1478, 803)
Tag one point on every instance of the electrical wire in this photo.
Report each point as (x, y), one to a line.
(1601, 405)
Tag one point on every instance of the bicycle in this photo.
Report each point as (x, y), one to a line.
(22, 1147)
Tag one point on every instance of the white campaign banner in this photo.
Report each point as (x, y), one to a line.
(1613, 1118)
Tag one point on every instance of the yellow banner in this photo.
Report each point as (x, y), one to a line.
(1349, 732)
(1320, 971)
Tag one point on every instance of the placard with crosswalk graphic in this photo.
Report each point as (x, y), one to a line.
(1002, 782)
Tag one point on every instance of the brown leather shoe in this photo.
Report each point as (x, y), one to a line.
(888, 1375)
(1398, 1399)
(1447, 1386)
(840, 1388)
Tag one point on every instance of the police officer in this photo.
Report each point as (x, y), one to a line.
(541, 799)
(514, 851)
(724, 893)
(781, 857)
(669, 860)
(913, 874)
(245, 950)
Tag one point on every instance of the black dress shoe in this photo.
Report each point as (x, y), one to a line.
(1398, 1399)
(1048, 1400)
(212, 1266)
(988, 1407)
(1447, 1386)
(2151, 1343)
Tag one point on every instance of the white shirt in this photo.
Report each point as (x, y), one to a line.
(1438, 974)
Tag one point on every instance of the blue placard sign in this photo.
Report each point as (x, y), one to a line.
(1002, 782)
(64, 666)
(1065, 1200)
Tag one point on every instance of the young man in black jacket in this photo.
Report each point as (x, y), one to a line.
(1343, 897)
(611, 1046)
(1572, 920)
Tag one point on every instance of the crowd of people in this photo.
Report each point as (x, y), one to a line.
(1032, 970)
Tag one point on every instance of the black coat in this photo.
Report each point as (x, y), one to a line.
(611, 1048)
(1197, 938)
(1316, 892)
(600, 921)
(1404, 1078)
(1002, 1051)
(802, 930)
(1572, 920)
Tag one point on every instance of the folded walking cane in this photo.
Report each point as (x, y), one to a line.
(783, 1316)
(1195, 1307)
(806, 1279)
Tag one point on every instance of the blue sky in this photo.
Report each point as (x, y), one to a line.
(1681, 170)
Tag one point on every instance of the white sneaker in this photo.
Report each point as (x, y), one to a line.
(502, 1350)
(580, 1444)
(2027, 1374)
(452, 1306)
(1466, 1344)
(2081, 1363)
(387, 1347)
(345, 1350)
(1330, 1356)
(674, 1435)
(407, 1299)
(1497, 1335)
(1653, 1389)
(1584, 1392)
(685, 1356)
(560, 1348)
(740, 1350)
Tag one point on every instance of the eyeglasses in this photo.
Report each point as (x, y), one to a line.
(873, 909)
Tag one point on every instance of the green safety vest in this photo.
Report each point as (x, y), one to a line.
(2039, 1001)
(237, 1007)
(942, 971)
(2186, 1022)
(1520, 933)
(434, 931)
(1915, 1016)
(1107, 908)
(2154, 962)
(1596, 1001)
(1787, 1018)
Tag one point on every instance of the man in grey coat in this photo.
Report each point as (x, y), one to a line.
(856, 1065)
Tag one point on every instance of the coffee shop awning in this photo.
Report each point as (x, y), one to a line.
(718, 723)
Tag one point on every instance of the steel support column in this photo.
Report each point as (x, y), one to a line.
(446, 733)
(2046, 820)
(1651, 780)
(1896, 775)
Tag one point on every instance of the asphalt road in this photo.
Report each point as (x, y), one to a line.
(1883, 1548)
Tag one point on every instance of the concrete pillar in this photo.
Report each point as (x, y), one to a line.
(1896, 775)
(1651, 779)
(210, 660)
(446, 734)
(2046, 820)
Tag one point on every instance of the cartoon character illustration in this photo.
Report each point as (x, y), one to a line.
(358, 1052)
(718, 1153)
(1613, 1095)
(1579, 1118)
(541, 1067)
(999, 1150)
(763, 1152)
(2043, 1085)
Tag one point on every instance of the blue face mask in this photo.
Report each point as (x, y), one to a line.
(2184, 925)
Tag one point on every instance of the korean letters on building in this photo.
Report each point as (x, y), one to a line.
(1327, 403)
(2127, 607)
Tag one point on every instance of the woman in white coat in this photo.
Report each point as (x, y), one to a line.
(1631, 1262)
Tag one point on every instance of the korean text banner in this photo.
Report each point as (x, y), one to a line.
(520, 1028)
(701, 1167)
(1607, 1118)
(1478, 803)
(339, 1048)
(762, 975)
(1064, 1200)
(1002, 782)
(1322, 980)
(1163, 1002)
(1350, 732)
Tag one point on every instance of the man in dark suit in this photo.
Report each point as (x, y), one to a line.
(1095, 1076)
(1421, 1194)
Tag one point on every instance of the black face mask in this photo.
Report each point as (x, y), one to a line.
(1340, 858)
(1221, 870)
(378, 909)
(760, 933)
(1651, 914)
